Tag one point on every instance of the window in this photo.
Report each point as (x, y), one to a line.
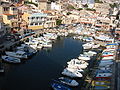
(10, 17)
(5, 8)
(33, 18)
(31, 24)
(40, 23)
(37, 17)
(36, 23)
(14, 9)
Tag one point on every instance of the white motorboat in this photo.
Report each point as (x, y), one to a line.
(74, 68)
(81, 66)
(39, 46)
(104, 75)
(77, 60)
(77, 64)
(96, 46)
(46, 45)
(88, 54)
(92, 52)
(11, 59)
(83, 57)
(68, 81)
(32, 44)
(18, 54)
(88, 45)
(72, 74)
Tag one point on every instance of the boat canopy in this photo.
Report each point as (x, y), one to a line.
(112, 44)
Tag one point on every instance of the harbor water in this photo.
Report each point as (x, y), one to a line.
(37, 72)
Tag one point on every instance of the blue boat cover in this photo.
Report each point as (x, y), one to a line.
(112, 44)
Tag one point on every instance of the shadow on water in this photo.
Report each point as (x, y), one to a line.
(38, 71)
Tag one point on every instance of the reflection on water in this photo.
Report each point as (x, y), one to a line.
(37, 72)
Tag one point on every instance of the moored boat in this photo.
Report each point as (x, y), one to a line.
(101, 87)
(67, 81)
(72, 74)
(11, 59)
(19, 54)
(58, 86)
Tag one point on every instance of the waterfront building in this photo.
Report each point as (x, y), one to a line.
(91, 3)
(84, 2)
(10, 15)
(4, 28)
(72, 18)
(43, 4)
(50, 19)
(36, 21)
(33, 1)
(13, 1)
(102, 8)
(55, 6)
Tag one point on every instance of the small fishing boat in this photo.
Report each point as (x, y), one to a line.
(104, 64)
(106, 60)
(11, 59)
(58, 86)
(106, 55)
(18, 54)
(101, 87)
(101, 83)
(110, 57)
(68, 81)
(103, 71)
(103, 75)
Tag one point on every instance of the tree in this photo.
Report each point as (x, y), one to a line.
(97, 1)
(70, 7)
(80, 9)
(113, 5)
(89, 9)
(58, 22)
(69, 13)
(85, 5)
(27, 2)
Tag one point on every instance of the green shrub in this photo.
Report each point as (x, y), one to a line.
(27, 2)
(58, 22)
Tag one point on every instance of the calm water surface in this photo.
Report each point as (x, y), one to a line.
(37, 72)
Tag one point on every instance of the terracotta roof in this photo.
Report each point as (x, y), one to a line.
(8, 14)
(42, 0)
